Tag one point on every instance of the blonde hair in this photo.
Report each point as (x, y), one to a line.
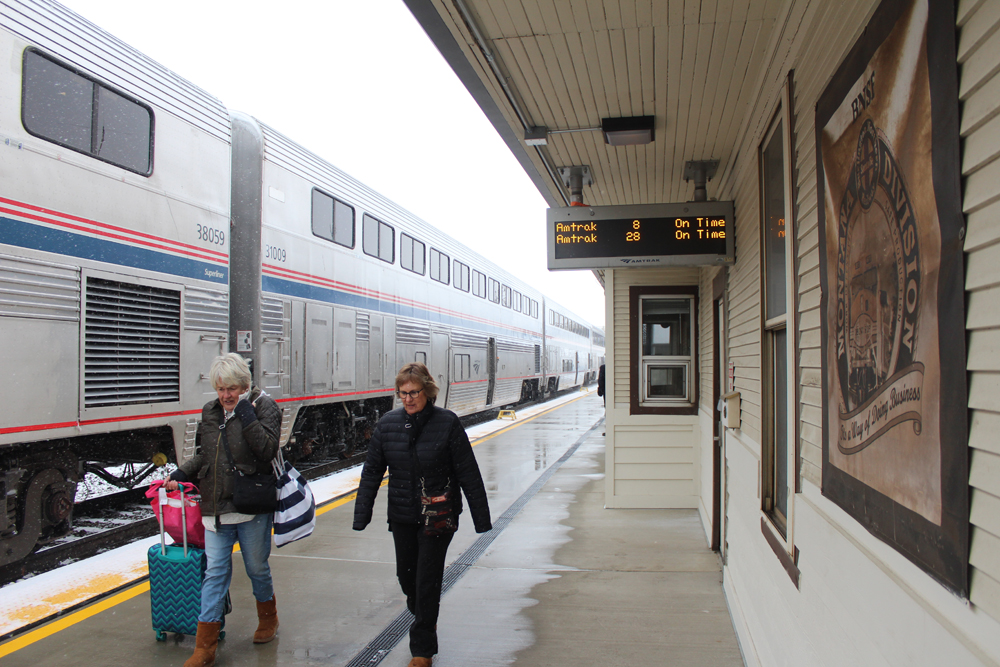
(417, 373)
(230, 370)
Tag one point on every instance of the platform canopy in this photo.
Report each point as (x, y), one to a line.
(539, 68)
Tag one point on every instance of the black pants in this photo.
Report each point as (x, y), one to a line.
(420, 568)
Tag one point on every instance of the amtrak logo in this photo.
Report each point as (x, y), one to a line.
(878, 298)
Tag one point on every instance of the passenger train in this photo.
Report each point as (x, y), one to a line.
(145, 229)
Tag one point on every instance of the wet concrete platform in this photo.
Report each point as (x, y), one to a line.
(559, 581)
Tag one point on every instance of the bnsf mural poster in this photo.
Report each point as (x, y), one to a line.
(894, 395)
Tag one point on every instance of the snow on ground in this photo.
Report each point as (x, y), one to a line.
(35, 598)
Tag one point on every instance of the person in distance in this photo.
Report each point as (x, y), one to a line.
(429, 457)
(252, 425)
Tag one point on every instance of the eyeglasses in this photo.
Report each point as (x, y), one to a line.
(403, 395)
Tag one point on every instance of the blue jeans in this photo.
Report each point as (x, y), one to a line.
(255, 544)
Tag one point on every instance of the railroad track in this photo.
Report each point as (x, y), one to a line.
(115, 520)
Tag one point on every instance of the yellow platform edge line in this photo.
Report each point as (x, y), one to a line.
(59, 624)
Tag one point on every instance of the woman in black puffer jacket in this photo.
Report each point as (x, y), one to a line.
(420, 442)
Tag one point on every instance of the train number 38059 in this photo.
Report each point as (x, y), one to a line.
(211, 235)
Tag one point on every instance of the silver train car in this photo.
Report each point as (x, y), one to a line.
(145, 229)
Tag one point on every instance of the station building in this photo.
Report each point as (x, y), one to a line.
(827, 398)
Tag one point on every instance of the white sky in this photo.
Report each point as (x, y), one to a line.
(359, 83)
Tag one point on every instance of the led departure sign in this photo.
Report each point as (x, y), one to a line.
(598, 237)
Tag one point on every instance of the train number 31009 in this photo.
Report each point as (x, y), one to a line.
(274, 252)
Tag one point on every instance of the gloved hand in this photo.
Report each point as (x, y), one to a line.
(245, 412)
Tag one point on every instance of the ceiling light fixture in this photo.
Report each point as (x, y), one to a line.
(627, 131)
(536, 136)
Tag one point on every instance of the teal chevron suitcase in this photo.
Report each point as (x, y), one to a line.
(176, 572)
(175, 588)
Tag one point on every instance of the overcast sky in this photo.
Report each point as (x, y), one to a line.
(359, 83)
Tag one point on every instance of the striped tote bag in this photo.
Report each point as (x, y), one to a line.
(295, 517)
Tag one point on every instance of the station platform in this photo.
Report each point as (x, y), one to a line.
(559, 580)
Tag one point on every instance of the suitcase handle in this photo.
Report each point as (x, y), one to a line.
(162, 491)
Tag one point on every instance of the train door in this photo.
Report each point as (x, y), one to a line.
(375, 356)
(274, 347)
(389, 366)
(297, 349)
(318, 357)
(343, 349)
(439, 369)
(491, 369)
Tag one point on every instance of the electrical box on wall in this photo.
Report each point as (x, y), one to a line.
(729, 406)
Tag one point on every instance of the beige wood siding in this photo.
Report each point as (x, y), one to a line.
(979, 90)
(623, 280)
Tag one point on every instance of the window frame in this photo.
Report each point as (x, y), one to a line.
(95, 109)
(380, 228)
(446, 263)
(478, 284)
(493, 290)
(778, 526)
(463, 276)
(414, 242)
(333, 226)
(638, 363)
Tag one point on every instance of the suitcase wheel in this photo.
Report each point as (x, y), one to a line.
(222, 634)
(161, 636)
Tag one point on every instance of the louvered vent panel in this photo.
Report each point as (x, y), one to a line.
(272, 317)
(514, 346)
(363, 327)
(132, 344)
(408, 331)
(206, 310)
(467, 339)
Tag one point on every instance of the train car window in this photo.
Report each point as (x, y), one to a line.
(440, 266)
(378, 239)
(411, 253)
(515, 301)
(504, 296)
(68, 108)
(494, 286)
(534, 309)
(461, 276)
(332, 219)
(463, 367)
(479, 284)
(420, 358)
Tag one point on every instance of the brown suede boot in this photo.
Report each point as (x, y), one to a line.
(205, 643)
(267, 617)
(420, 662)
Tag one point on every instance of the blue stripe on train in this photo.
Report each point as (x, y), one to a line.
(47, 239)
(299, 290)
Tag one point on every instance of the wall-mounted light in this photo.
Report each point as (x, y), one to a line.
(627, 131)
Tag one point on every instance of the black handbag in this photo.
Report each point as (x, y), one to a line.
(437, 510)
(252, 494)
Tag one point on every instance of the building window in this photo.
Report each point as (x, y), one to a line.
(778, 361)
(667, 335)
(440, 266)
(378, 239)
(411, 253)
(662, 350)
(461, 276)
(68, 108)
(332, 219)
